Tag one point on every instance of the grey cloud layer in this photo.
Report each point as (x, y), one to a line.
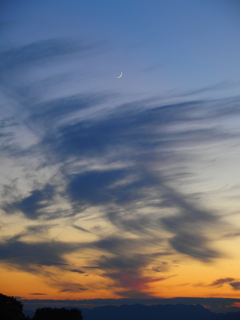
(26, 255)
(32, 205)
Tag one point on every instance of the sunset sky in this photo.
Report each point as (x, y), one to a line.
(120, 187)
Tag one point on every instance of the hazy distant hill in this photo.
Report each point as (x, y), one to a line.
(155, 312)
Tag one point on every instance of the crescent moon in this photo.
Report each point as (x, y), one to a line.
(120, 75)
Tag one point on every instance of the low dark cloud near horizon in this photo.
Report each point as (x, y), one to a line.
(235, 285)
(124, 159)
(220, 282)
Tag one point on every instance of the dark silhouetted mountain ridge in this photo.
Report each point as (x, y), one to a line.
(155, 312)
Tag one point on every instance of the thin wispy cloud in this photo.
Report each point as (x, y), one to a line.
(220, 282)
(235, 285)
(106, 184)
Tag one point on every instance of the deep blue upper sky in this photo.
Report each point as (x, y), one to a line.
(159, 45)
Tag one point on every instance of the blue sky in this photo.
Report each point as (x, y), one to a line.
(159, 45)
(132, 183)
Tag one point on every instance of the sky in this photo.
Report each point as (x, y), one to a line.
(120, 187)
